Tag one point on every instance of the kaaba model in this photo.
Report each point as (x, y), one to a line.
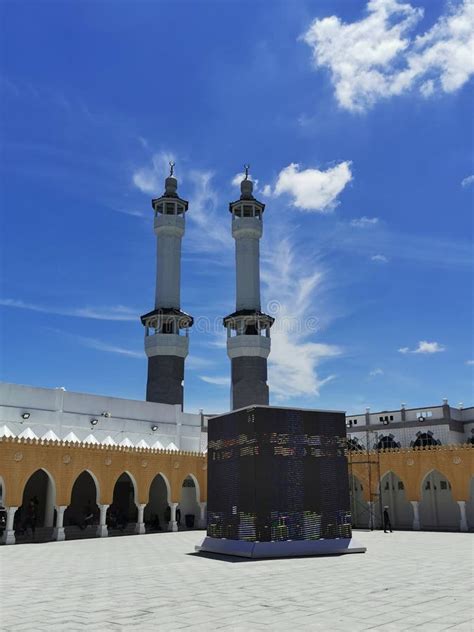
(278, 483)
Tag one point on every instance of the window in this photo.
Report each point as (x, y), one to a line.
(424, 414)
(387, 442)
(401, 486)
(387, 486)
(355, 422)
(353, 444)
(391, 417)
(425, 439)
(380, 418)
(443, 485)
(428, 485)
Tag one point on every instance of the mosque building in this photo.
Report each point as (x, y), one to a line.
(92, 466)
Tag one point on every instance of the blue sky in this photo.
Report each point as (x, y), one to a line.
(356, 118)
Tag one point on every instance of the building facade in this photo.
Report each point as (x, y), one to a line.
(418, 462)
(441, 424)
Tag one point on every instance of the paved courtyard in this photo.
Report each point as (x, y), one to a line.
(405, 581)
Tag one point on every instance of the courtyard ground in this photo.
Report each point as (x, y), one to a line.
(405, 581)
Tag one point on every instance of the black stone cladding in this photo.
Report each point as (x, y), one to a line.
(165, 380)
(249, 382)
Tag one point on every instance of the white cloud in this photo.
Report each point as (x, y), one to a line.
(467, 181)
(100, 345)
(209, 231)
(312, 189)
(206, 230)
(151, 179)
(469, 362)
(195, 362)
(428, 347)
(424, 347)
(377, 57)
(93, 343)
(216, 380)
(379, 258)
(364, 222)
(290, 294)
(376, 372)
(266, 191)
(115, 312)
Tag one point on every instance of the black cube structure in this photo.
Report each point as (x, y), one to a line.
(278, 483)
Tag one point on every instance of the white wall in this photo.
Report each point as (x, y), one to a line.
(64, 411)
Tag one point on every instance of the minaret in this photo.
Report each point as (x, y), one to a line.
(248, 328)
(165, 347)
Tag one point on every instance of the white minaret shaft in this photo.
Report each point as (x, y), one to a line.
(169, 231)
(247, 232)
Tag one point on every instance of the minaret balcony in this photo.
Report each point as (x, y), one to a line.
(248, 346)
(167, 344)
(246, 227)
(169, 225)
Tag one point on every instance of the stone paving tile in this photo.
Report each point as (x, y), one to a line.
(421, 581)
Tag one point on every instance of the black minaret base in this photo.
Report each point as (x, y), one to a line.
(249, 382)
(165, 380)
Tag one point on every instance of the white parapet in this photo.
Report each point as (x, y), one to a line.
(253, 346)
(166, 344)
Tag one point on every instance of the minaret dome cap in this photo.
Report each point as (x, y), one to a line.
(171, 183)
(246, 186)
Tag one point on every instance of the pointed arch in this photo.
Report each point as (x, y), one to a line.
(438, 509)
(39, 492)
(124, 507)
(94, 478)
(165, 481)
(158, 501)
(359, 506)
(394, 497)
(196, 485)
(189, 501)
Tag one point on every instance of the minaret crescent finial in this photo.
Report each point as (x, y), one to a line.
(247, 168)
(172, 164)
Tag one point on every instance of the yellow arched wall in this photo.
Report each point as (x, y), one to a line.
(19, 459)
(454, 462)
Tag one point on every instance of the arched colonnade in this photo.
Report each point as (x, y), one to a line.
(77, 490)
(426, 488)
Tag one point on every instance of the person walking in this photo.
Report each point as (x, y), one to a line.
(31, 517)
(386, 520)
(88, 517)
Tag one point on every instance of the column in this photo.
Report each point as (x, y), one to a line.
(102, 531)
(416, 515)
(463, 518)
(173, 525)
(8, 536)
(58, 533)
(202, 516)
(371, 505)
(140, 525)
(49, 506)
